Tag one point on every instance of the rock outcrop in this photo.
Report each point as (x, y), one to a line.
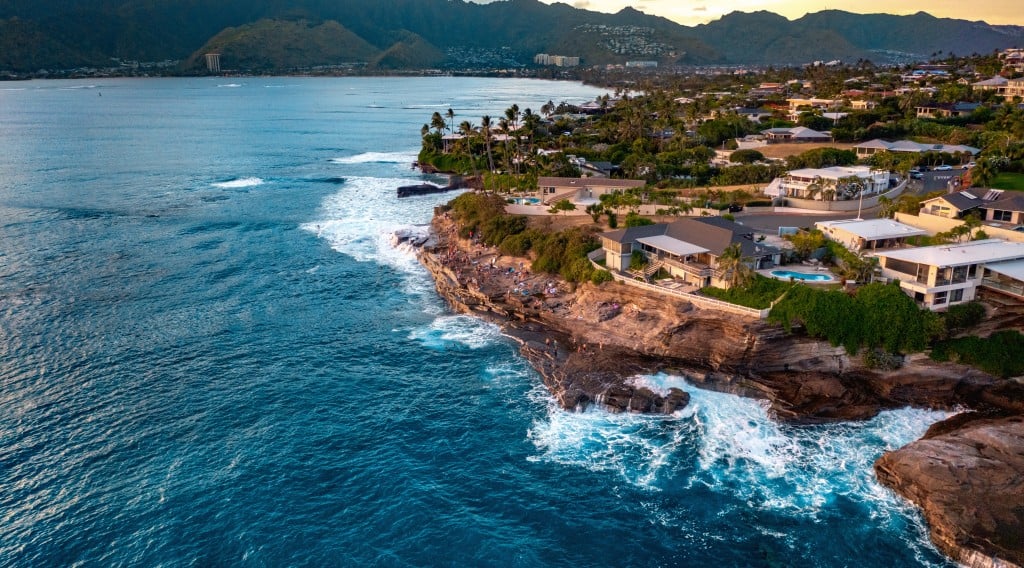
(968, 480)
(587, 342)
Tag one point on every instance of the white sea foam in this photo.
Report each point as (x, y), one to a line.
(378, 158)
(636, 447)
(448, 332)
(239, 183)
(730, 445)
(230, 85)
(360, 221)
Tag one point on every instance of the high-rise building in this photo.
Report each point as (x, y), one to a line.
(213, 62)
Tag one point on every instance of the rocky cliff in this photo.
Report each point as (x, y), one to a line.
(968, 478)
(588, 341)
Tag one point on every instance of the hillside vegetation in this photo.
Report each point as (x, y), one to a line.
(52, 33)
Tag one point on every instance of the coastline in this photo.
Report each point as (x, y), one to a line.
(588, 341)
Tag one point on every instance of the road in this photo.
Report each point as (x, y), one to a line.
(770, 222)
(934, 181)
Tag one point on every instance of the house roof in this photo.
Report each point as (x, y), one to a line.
(911, 146)
(709, 234)
(1007, 201)
(986, 251)
(996, 81)
(962, 200)
(797, 132)
(589, 182)
(1012, 268)
(674, 246)
(873, 229)
(836, 172)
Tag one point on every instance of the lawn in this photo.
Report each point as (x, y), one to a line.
(1009, 180)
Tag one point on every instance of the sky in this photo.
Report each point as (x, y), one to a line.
(692, 12)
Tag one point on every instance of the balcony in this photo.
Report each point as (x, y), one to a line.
(695, 268)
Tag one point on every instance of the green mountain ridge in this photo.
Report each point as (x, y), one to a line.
(57, 34)
(283, 44)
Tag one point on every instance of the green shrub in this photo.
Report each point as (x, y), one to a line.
(878, 316)
(635, 220)
(746, 156)
(515, 245)
(637, 260)
(963, 316)
(564, 253)
(1001, 354)
(497, 228)
(759, 294)
(601, 276)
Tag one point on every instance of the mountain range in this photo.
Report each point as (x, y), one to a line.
(276, 35)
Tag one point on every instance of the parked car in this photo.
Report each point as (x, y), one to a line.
(915, 174)
(943, 168)
(969, 165)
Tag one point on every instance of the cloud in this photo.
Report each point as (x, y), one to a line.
(582, 4)
(700, 8)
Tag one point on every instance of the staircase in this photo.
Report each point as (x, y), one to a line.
(648, 271)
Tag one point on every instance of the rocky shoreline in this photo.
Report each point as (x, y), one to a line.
(588, 341)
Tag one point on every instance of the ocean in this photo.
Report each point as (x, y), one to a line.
(211, 354)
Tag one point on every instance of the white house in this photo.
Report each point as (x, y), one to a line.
(908, 146)
(868, 234)
(940, 275)
(834, 183)
(583, 190)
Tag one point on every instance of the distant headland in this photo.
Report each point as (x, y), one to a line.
(46, 38)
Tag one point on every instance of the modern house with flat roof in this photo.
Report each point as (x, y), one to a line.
(941, 275)
(868, 234)
(688, 248)
(828, 184)
(583, 190)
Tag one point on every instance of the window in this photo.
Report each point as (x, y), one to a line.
(956, 295)
(940, 298)
(998, 215)
(959, 275)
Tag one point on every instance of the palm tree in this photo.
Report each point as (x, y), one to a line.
(437, 122)
(485, 128)
(983, 173)
(548, 109)
(505, 127)
(451, 120)
(734, 270)
(512, 117)
(530, 122)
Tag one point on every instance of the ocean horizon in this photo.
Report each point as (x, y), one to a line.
(212, 353)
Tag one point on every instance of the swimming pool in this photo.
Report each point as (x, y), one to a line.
(816, 277)
(526, 200)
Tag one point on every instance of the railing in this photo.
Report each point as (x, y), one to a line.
(699, 270)
(701, 301)
(1017, 290)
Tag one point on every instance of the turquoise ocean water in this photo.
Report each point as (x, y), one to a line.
(212, 355)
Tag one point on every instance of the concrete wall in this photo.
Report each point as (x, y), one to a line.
(844, 206)
(935, 224)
